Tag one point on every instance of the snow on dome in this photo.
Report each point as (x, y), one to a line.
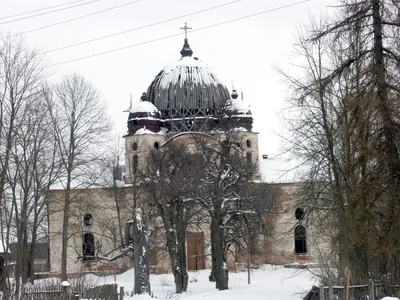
(187, 83)
(144, 106)
(239, 107)
(202, 72)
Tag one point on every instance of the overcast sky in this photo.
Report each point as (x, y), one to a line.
(242, 52)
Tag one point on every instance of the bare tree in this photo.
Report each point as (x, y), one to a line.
(113, 180)
(34, 168)
(22, 131)
(343, 124)
(137, 229)
(226, 171)
(81, 126)
(170, 180)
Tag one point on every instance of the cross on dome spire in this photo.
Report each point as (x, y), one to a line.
(186, 51)
(186, 28)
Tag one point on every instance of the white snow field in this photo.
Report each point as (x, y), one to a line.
(268, 282)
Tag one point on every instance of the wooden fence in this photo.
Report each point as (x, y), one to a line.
(55, 292)
(371, 291)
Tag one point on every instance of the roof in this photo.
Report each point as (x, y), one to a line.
(41, 251)
(146, 131)
(239, 107)
(144, 106)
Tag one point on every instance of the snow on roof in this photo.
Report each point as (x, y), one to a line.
(236, 129)
(239, 106)
(144, 106)
(146, 131)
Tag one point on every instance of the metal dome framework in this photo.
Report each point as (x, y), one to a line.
(188, 94)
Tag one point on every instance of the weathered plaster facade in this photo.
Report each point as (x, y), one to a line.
(184, 101)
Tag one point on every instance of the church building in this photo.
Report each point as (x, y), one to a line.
(185, 98)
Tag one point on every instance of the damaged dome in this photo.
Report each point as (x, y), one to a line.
(188, 90)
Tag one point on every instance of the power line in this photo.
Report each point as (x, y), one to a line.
(77, 18)
(141, 27)
(178, 34)
(48, 12)
(40, 9)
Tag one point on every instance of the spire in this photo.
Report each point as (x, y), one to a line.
(186, 51)
(130, 105)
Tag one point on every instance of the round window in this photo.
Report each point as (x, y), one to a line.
(299, 213)
(88, 219)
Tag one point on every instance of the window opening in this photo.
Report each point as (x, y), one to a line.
(88, 246)
(300, 240)
(88, 219)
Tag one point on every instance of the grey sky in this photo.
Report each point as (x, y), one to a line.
(241, 52)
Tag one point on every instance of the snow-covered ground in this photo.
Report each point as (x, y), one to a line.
(268, 282)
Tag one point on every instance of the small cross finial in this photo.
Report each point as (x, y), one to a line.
(186, 28)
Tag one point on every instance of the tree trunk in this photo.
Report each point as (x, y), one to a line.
(181, 239)
(65, 232)
(142, 275)
(177, 271)
(213, 275)
(220, 269)
(177, 263)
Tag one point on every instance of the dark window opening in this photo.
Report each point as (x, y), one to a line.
(134, 146)
(88, 219)
(134, 122)
(299, 213)
(300, 240)
(129, 233)
(156, 145)
(88, 246)
(248, 144)
(134, 164)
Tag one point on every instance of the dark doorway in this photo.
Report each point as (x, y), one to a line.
(195, 251)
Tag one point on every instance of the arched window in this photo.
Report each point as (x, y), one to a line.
(300, 240)
(88, 246)
(248, 144)
(156, 145)
(134, 146)
(299, 213)
(129, 232)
